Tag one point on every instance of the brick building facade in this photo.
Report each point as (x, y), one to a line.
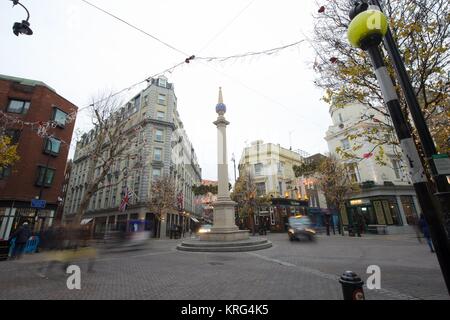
(26, 108)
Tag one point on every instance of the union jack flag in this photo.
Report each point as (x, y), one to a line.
(126, 199)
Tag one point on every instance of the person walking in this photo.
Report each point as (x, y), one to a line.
(360, 223)
(333, 225)
(426, 231)
(327, 223)
(22, 235)
(416, 226)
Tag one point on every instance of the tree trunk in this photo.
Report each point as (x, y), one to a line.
(81, 210)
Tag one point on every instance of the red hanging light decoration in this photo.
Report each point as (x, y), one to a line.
(322, 9)
(333, 59)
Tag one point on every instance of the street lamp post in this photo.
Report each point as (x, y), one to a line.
(366, 31)
(428, 147)
(234, 161)
(24, 26)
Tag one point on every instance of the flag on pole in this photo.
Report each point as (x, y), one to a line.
(126, 199)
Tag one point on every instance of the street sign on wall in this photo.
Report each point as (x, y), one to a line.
(38, 204)
(442, 163)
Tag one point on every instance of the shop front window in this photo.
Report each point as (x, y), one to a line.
(392, 203)
(409, 209)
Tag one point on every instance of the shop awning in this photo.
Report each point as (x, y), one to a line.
(86, 221)
(195, 220)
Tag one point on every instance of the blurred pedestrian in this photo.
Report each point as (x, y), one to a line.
(426, 231)
(267, 224)
(21, 236)
(360, 223)
(416, 226)
(333, 225)
(327, 223)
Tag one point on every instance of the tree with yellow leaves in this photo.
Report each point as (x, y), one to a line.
(421, 29)
(8, 152)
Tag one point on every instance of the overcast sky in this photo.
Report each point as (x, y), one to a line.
(80, 51)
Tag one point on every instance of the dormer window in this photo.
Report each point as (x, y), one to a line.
(162, 82)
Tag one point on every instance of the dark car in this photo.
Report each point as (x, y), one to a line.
(300, 227)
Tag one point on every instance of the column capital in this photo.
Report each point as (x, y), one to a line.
(221, 121)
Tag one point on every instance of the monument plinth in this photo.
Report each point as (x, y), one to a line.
(224, 235)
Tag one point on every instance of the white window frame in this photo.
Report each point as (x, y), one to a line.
(397, 167)
(163, 101)
(160, 154)
(260, 172)
(355, 171)
(158, 113)
(162, 82)
(156, 135)
(153, 172)
(345, 143)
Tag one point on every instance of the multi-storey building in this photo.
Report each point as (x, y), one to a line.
(159, 147)
(41, 122)
(270, 168)
(387, 196)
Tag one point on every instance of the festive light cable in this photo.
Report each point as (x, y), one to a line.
(135, 27)
(42, 127)
(248, 54)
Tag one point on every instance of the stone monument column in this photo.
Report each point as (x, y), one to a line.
(224, 207)
(224, 227)
(224, 236)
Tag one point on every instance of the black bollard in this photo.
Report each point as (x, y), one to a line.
(352, 286)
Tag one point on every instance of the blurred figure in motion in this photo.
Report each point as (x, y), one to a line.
(426, 231)
(65, 246)
(130, 235)
(417, 228)
(21, 237)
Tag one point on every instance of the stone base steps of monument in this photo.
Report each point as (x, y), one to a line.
(218, 246)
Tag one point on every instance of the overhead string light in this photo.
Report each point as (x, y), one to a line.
(251, 54)
(42, 128)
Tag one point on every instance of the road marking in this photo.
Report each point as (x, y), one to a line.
(284, 263)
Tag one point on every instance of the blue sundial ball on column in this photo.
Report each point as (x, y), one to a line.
(221, 108)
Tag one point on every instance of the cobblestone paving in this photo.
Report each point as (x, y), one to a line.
(288, 270)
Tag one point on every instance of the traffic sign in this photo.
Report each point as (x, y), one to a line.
(37, 203)
(442, 163)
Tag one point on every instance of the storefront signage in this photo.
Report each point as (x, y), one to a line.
(358, 202)
(39, 204)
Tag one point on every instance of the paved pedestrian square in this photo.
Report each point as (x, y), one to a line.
(288, 270)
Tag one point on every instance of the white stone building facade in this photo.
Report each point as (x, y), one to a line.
(160, 146)
(387, 196)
